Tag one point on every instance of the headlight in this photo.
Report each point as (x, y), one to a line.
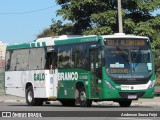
(109, 85)
(151, 84)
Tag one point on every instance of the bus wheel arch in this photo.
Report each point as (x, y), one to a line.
(79, 85)
(29, 93)
(28, 84)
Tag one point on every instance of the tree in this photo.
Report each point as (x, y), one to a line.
(45, 33)
(57, 28)
(100, 16)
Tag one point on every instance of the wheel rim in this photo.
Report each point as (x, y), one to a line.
(30, 94)
(83, 96)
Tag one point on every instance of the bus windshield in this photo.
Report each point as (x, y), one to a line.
(140, 61)
(128, 61)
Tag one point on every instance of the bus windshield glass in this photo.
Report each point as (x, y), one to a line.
(128, 58)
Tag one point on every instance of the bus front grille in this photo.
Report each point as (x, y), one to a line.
(130, 82)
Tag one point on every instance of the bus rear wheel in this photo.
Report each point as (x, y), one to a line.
(125, 103)
(31, 101)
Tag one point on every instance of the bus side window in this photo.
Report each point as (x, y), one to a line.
(13, 64)
(79, 56)
(8, 65)
(36, 58)
(8, 60)
(65, 57)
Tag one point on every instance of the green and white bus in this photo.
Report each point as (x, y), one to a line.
(77, 70)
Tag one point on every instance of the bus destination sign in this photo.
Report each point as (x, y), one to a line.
(118, 42)
(119, 71)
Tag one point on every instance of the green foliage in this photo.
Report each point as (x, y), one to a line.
(157, 64)
(144, 29)
(58, 28)
(45, 33)
(157, 60)
(158, 81)
(129, 25)
(80, 13)
(100, 16)
(98, 31)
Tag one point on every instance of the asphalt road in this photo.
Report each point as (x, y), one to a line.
(108, 112)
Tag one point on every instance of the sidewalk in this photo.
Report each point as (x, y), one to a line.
(151, 102)
(9, 98)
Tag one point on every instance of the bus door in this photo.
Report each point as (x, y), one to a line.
(52, 66)
(95, 68)
(51, 60)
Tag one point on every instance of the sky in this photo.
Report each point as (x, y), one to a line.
(19, 25)
(22, 20)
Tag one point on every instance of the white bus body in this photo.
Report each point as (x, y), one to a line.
(45, 82)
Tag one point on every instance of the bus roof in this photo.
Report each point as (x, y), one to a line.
(68, 39)
(123, 35)
(58, 40)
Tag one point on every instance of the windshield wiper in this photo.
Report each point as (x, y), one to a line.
(124, 55)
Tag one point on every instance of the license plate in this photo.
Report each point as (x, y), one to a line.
(132, 96)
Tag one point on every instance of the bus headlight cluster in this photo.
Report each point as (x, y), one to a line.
(109, 85)
(151, 84)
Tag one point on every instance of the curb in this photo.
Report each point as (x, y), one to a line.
(12, 101)
(21, 101)
(94, 103)
(133, 104)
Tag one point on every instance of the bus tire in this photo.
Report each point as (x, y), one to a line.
(125, 103)
(83, 101)
(31, 101)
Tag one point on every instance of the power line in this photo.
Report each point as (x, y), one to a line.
(27, 12)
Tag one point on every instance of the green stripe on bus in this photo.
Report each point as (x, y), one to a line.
(21, 46)
(76, 40)
(38, 44)
(56, 42)
(33, 45)
(43, 43)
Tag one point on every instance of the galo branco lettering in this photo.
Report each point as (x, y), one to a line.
(68, 76)
(39, 76)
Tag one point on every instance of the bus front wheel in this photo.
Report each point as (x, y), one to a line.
(31, 101)
(125, 103)
(83, 101)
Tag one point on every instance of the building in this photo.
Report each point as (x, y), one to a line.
(2, 55)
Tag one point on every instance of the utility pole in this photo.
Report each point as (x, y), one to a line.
(120, 16)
